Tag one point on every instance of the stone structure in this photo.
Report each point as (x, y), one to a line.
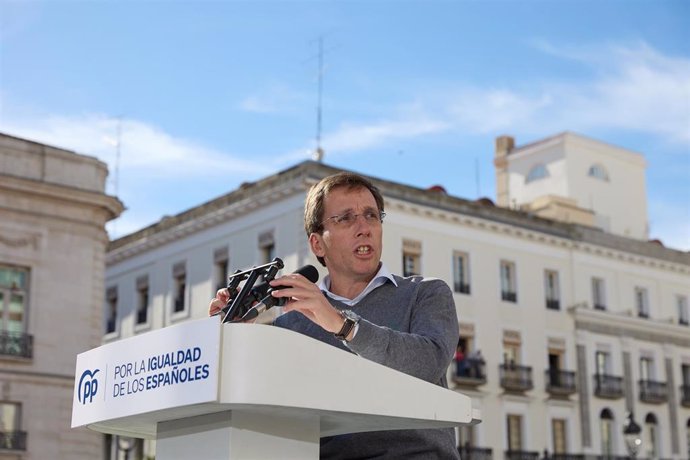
(576, 324)
(53, 211)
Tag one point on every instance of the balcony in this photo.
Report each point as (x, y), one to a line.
(515, 377)
(16, 344)
(470, 372)
(565, 457)
(553, 304)
(560, 383)
(509, 296)
(608, 386)
(475, 453)
(653, 392)
(685, 395)
(461, 287)
(599, 306)
(521, 455)
(13, 440)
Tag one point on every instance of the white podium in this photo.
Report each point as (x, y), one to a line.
(248, 391)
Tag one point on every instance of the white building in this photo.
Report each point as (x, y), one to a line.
(576, 323)
(53, 211)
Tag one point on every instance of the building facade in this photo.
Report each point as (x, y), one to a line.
(569, 318)
(53, 211)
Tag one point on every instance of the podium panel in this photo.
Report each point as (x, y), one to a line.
(230, 391)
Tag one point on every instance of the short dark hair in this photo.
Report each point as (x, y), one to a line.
(314, 205)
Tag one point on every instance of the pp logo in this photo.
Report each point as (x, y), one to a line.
(88, 386)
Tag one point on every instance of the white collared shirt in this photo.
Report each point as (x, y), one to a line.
(379, 279)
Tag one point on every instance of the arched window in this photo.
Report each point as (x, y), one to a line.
(598, 172)
(537, 172)
(652, 430)
(607, 429)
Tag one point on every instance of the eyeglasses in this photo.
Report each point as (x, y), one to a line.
(348, 219)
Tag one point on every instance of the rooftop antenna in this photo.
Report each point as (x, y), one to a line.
(117, 142)
(476, 176)
(318, 153)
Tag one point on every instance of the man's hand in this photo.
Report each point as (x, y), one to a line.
(306, 298)
(218, 302)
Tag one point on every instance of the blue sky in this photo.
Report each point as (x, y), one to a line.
(210, 94)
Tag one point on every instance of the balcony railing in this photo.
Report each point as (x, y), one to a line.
(553, 304)
(685, 395)
(509, 296)
(653, 392)
(608, 386)
(475, 453)
(515, 377)
(559, 382)
(521, 455)
(461, 287)
(599, 306)
(13, 440)
(470, 372)
(16, 344)
(564, 457)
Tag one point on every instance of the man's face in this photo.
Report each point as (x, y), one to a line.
(352, 250)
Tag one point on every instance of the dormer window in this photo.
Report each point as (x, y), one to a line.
(598, 172)
(537, 172)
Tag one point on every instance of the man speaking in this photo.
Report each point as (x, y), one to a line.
(408, 324)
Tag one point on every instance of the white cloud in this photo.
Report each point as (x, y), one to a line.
(275, 99)
(144, 148)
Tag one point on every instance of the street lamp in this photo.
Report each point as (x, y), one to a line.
(631, 433)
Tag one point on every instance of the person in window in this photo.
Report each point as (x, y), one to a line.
(408, 324)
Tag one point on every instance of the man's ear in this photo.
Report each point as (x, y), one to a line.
(316, 244)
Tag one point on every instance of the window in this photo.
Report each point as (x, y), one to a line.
(651, 429)
(142, 299)
(11, 436)
(537, 172)
(682, 304)
(179, 286)
(111, 310)
(597, 171)
(646, 368)
(642, 302)
(559, 435)
(267, 247)
(514, 430)
(551, 290)
(221, 262)
(512, 343)
(607, 433)
(14, 285)
(603, 362)
(411, 258)
(508, 285)
(598, 294)
(461, 274)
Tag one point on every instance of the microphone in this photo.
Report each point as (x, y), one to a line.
(268, 301)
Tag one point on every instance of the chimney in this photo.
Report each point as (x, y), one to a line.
(504, 145)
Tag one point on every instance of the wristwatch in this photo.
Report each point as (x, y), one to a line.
(351, 319)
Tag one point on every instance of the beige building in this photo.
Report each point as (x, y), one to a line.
(578, 318)
(53, 211)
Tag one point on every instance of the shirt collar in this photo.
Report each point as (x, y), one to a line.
(379, 279)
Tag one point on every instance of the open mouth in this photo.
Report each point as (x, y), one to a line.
(363, 250)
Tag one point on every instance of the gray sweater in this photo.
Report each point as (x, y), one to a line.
(412, 328)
